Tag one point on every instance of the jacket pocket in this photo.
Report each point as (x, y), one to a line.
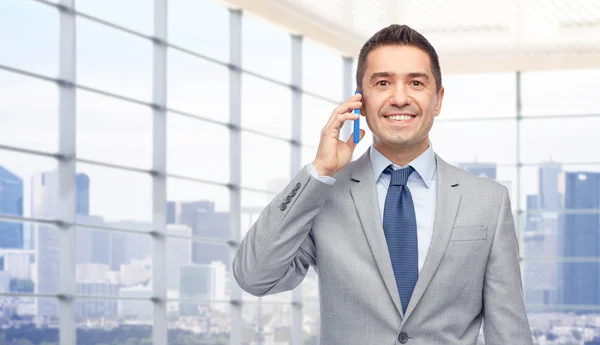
(476, 233)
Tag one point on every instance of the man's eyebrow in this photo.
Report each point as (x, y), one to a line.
(418, 75)
(392, 74)
(382, 75)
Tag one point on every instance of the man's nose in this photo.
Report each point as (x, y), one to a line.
(399, 97)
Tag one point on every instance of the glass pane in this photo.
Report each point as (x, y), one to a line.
(479, 95)
(322, 71)
(564, 140)
(266, 107)
(28, 113)
(20, 273)
(560, 92)
(29, 37)
(485, 141)
(136, 15)
(130, 321)
(197, 86)
(265, 162)
(119, 196)
(201, 282)
(113, 131)
(108, 260)
(184, 253)
(543, 186)
(315, 115)
(212, 322)
(549, 325)
(197, 148)
(113, 61)
(572, 286)
(268, 323)
(199, 25)
(266, 49)
(199, 210)
(29, 320)
(19, 192)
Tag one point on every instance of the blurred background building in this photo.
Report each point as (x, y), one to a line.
(140, 139)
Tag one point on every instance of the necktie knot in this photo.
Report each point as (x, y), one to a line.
(400, 176)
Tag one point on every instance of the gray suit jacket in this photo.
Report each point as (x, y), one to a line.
(471, 273)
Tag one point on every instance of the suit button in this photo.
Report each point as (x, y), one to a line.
(403, 337)
(293, 192)
(282, 206)
(297, 186)
(288, 199)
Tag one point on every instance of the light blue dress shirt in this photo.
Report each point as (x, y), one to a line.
(423, 188)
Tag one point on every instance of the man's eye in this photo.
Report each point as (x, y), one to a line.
(416, 83)
(382, 83)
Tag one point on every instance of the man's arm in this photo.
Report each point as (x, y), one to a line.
(278, 250)
(505, 317)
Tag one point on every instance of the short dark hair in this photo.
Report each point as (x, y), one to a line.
(402, 35)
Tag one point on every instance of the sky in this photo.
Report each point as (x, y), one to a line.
(120, 132)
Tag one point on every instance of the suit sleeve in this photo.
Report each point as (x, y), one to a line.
(504, 313)
(278, 250)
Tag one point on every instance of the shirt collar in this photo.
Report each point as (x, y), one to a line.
(425, 164)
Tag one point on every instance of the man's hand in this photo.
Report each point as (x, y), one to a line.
(333, 154)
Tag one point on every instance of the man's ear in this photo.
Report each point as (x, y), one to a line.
(438, 101)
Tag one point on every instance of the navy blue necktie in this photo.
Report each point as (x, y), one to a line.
(400, 228)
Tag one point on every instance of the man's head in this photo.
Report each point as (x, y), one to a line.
(399, 77)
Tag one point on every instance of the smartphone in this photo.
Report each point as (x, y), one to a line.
(357, 123)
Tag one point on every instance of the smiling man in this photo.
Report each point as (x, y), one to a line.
(408, 248)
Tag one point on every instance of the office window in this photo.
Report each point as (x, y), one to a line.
(265, 162)
(322, 71)
(113, 131)
(197, 86)
(113, 61)
(266, 107)
(136, 15)
(28, 31)
(266, 49)
(476, 96)
(27, 124)
(201, 26)
(197, 149)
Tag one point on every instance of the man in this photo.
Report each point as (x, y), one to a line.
(408, 249)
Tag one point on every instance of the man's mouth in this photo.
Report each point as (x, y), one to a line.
(400, 117)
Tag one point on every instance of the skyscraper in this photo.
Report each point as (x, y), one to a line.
(11, 203)
(549, 174)
(44, 204)
(204, 221)
(581, 239)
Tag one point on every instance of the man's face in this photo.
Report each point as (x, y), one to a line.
(399, 95)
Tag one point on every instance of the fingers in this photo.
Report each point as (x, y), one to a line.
(334, 128)
(354, 102)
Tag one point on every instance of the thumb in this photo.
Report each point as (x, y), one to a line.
(350, 142)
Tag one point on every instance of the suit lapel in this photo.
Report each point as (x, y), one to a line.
(448, 199)
(364, 195)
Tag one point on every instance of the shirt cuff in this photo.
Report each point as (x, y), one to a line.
(325, 179)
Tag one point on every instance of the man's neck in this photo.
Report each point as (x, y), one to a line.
(402, 155)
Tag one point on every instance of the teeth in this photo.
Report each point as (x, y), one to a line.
(400, 117)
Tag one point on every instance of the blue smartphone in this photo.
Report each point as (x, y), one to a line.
(357, 123)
